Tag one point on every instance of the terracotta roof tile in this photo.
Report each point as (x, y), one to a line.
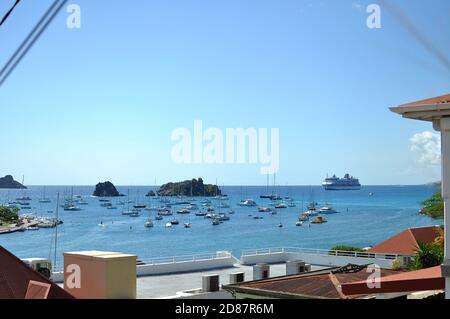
(443, 99)
(420, 280)
(15, 276)
(406, 242)
(313, 285)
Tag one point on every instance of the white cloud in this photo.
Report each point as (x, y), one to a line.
(428, 145)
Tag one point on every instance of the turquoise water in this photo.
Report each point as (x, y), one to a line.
(364, 220)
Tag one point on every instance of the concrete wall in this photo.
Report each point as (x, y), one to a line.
(185, 266)
(314, 259)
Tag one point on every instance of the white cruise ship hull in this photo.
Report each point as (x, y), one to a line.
(341, 187)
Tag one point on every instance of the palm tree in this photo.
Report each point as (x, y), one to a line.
(428, 255)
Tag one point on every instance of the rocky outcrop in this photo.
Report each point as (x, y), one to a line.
(151, 194)
(193, 187)
(8, 182)
(106, 189)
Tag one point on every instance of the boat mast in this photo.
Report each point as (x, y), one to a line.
(56, 227)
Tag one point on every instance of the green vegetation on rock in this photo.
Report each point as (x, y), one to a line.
(194, 187)
(434, 206)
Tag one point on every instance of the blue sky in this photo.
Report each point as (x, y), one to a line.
(100, 102)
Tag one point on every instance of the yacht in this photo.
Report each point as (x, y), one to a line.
(281, 206)
(149, 223)
(24, 198)
(346, 183)
(187, 225)
(174, 221)
(264, 209)
(247, 203)
(130, 212)
(327, 209)
(303, 218)
(223, 217)
(135, 214)
(139, 206)
(71, 207)
(200, 214)
(184, 211)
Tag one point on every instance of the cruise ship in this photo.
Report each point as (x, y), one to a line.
(346, 183)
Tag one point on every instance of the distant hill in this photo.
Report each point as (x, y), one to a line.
(8, 182)
(194, 187)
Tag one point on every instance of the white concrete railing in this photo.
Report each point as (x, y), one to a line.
(324, 257)
(180, 264)
(313, 251)
(186, 258)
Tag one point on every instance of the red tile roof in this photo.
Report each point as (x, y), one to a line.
(318, 284)
(420, 280)
(444, 99)
(406, 242)
(15, 277)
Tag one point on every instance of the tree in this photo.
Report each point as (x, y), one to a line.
(434, 206)
(428, 255)
(8, 215)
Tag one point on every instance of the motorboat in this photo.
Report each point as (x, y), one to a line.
(71, 208)
(303, 218)
(299, 223)
(264, 209)
(187, 225)
(149, 223)
(159, 217)
(130, 212)
(319, 220)
(169, 225)
(200, 214)
(311, 213)
(247, 203)
(281, 206)
(327, 209)
(135, 214)
(174, 221)
(215, 222)
(139, 206)
(223, 217)
(184, 211)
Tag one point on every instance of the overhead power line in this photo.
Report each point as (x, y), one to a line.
(29, 41)
(9, 12)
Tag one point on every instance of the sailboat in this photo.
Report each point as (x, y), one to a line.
(129, 212)
(24, 195)
(44, 199)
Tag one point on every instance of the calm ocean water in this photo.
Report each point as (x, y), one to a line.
(364, 220)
